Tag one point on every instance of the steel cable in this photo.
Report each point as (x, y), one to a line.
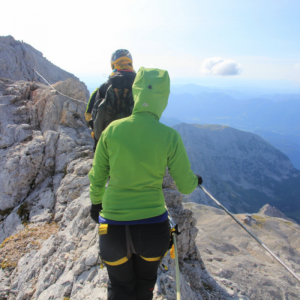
(249, 232)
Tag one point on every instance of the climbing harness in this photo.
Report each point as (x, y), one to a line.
(103, 228)
(56, 89)
(129, 248)
(255, 237)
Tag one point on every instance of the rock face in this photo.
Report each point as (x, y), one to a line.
(268, 210)
(239, 262)
(18, 59)
(67, 264)
(49, 242)
(46, 154)
(41, 132)
(240, 169)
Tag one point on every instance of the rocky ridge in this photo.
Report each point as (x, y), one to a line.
(236, 259)
(18, 59)
(46, 154)
(41, 133)
(49, 244)
(270, 211)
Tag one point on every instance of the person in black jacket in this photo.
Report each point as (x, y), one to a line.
(122, 77)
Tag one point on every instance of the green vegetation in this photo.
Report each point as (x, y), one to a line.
(76, 116)
(289, 223)
(260, 221)
(7, 240)
(65, 170)
(24, 213)
(31, 185)
(16, 246)
(8, 263)
(207, 286)
(5, 212)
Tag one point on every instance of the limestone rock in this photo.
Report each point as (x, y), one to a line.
(18, 59)
(12, 224)
(20, 166)
(41, 132)
(72, 89)
(46, 154)
(67, 264)
(168, 181)
(239, 263)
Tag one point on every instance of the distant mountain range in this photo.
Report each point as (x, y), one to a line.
(273, 116)
(194, 89)
(238, 93)
(289, 145)
(241, 169)
(215, 108)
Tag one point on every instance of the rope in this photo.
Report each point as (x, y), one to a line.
(56, 89)
(173, 225)
(177, 268)
(255, 237)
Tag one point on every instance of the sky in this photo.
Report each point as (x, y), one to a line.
(212, 42)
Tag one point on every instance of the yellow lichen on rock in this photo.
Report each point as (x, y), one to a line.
(8, 263)
(31, 238)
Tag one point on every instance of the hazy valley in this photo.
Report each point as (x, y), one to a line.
(272, 116)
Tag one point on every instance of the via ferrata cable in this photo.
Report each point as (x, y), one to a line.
(249, 232)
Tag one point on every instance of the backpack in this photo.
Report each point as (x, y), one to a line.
(118, 103)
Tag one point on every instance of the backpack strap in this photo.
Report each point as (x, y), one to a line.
(117, 95)
(125, 93)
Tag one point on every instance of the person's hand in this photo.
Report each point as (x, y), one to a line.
(199, 179)
(94, 212)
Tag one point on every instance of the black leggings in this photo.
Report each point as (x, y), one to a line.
(135, 279)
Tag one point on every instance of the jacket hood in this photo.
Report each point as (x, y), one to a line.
(151, 90)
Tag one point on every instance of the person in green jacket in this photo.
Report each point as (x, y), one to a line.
(134, 152)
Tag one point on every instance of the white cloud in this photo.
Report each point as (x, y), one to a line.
(297, 66)
(220, 66)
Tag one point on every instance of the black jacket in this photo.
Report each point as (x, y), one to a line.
(119, 79)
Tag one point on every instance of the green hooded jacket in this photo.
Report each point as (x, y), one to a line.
(135, 151)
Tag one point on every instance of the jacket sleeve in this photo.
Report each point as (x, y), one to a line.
(180, 167)
(99, 173)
